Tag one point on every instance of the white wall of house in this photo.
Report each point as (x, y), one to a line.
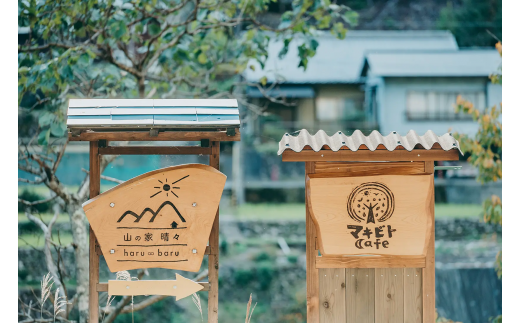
(393, 98)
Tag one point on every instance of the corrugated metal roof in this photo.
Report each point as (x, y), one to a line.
(372, 141)
(152, 113)
(469, 62)
(341, 61)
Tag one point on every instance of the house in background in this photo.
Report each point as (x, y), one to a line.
(371, 80)
(375, 80)
(417, 89)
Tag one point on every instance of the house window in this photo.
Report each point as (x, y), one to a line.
(339, 109)
(429, 105)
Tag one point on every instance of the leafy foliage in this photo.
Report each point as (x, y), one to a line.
(153, 48)
(472, 22)
(486, 151)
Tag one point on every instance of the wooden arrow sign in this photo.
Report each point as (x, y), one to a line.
(161, 219)
(180, 288)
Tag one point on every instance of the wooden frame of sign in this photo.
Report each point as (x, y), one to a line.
(99, 145)
(370, 261)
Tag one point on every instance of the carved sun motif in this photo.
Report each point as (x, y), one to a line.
(168, 188)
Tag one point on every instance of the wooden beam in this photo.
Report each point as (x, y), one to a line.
(367, 155)
(103, 287)
(371, 262)
(213, 258)
(428, 272)
(313, 281)
(95, 183)
(145, 150)
(162, 136)
(370, 169)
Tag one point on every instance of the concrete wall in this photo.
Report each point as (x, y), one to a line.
(392, 103)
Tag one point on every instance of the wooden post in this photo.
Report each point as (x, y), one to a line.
(428, 272)
(214, 160)
(94, 182)
(313, 282)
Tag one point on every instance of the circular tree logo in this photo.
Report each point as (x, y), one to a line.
(371, 201)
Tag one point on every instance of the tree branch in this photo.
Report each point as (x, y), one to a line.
(111, 179)
(47, 231)
(27, 203)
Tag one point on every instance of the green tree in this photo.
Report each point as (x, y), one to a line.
(472, 22)
(485, 149)
(138, 48)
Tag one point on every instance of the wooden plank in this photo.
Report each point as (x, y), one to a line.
(95, 183)
(389, 295)
(180, 287)
(367, 168)
(384, 214)
(428, 272)
(332, 295)
(145, 150)
(367, 155)
(103, 287)
(360, 295)
(413, 295)
(213, 259)
(313, 282)
(161, 219)
(162, 136)
(370, 262)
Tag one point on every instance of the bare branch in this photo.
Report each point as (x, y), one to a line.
(60, 156)
(47, 230)
(35, 182)
(27, 203)
(111, 179)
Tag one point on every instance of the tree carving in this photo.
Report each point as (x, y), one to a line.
(371, 201)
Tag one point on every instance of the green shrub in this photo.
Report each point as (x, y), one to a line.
(292, 259)
(31, 197)
(262, 256)
(265, 276)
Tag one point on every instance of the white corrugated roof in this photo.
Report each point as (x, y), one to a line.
(341, 61)
(391, 142)
(468, 62)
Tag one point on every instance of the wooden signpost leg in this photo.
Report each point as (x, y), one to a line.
(428, 273)
(313, 283)
(94, 180)
(213, 243)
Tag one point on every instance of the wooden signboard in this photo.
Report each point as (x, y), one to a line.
(161, 219)
(371, 215)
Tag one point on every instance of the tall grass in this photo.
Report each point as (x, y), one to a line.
(46, 285)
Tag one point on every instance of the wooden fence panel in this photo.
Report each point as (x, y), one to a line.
(389, 296)
(360, 295)
(332, 295)
(413, 295)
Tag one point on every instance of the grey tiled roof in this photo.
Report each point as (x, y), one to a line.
(152, 113)
(341, 60)
(409, 142)
(468, 62)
